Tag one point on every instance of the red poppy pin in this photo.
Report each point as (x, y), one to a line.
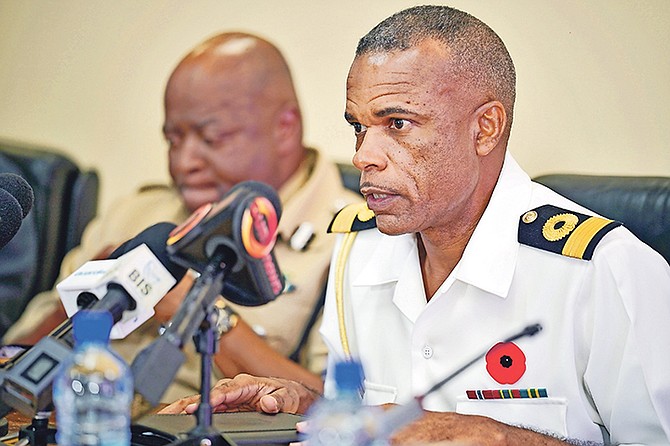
(505, 362)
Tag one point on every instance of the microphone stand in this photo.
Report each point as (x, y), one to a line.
(207, 341)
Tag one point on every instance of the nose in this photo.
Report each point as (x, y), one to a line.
(370, 154)
(189, 154)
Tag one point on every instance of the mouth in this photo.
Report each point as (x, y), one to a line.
(379, 200)
(200, 193)
(200, 186)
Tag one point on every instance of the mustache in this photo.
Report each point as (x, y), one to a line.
(377, 188)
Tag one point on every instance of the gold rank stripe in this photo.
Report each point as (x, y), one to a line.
(580, 238)
(345, 218)
(342, 222)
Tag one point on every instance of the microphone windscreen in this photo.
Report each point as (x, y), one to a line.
(10, 217)
(19, 189)
(263, 190)
(155, 237)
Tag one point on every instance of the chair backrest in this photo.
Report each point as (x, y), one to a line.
(350, 176)
(641, 203)
(66, 199)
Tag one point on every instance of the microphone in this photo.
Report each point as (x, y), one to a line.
(16, 200)
(20, 189)
(230, 243)
(129, 284)
(25, 381)
(242, 229)
(10, 217)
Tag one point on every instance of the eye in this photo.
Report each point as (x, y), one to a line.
(215, 139)
(173, 139)
(358, 127)
(398, 123)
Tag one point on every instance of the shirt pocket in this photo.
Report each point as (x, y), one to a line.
(376, 394)
(543, 414)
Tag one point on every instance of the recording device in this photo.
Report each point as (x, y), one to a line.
(16, 200)
(25, 381)
(242, 230)
(230, 243)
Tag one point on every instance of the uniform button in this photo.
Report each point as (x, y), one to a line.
(427, 352)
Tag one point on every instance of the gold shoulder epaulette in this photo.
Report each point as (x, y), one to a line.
(352, 218)
(152, 187)
(564, 232)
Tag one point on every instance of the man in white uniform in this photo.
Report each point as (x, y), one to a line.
(462, 249)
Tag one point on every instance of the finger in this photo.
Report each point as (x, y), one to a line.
(191, 408)
(179, 406)
(269, 404)
(104, 252)
(302, 427)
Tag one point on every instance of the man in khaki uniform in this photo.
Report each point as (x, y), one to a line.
(231, 115)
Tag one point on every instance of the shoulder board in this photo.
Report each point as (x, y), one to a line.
(153, 187)
(352, 218)
(564, 232)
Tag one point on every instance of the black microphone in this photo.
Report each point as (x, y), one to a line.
(25, 381)
(230, 243)
(16, 200)
(242, 230)
(10, 217)
(20, 189)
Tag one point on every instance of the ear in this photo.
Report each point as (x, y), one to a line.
(289, 126)
(491, 123)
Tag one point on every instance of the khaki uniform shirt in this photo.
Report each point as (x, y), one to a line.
(311, 195)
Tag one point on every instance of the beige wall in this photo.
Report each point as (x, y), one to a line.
(87, 76)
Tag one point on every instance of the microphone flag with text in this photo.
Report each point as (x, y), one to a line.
(133, 279)
(231, 244)
(16, 200)
(25, 381)
(242, 230)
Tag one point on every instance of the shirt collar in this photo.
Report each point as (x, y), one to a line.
(314, 193)
(289, 192)
(299, 177)
(488, 261)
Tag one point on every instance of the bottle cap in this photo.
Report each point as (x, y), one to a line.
(349, 375)
(92, 326)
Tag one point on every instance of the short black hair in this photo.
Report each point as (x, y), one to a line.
(479, 56)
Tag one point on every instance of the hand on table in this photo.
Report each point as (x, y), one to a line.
(246, 393)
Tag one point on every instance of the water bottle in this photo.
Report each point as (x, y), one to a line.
(342, 420)
(93, 390)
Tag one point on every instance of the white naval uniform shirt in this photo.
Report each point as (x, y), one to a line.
(603, 355)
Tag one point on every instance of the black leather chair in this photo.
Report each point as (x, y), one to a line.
(66, 199)
(350, 176)
(641, 203)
